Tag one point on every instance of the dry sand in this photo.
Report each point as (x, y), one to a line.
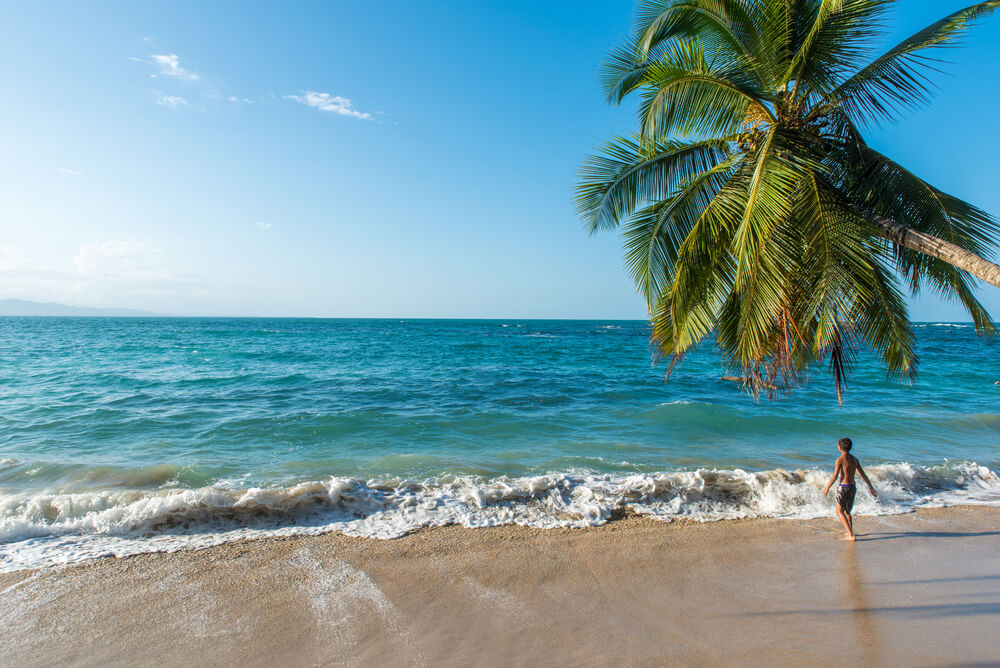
(921, 589)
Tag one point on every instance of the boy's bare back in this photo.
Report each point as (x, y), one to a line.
(847, 465)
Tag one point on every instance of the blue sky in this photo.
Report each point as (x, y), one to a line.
(369, 159)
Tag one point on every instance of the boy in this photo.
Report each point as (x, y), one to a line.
(847, 465)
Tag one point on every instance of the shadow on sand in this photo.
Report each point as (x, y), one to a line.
(856, 596)
(968, 578)
(912, 611)
(891, 535)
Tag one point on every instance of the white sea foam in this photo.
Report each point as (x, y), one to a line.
(48, 529)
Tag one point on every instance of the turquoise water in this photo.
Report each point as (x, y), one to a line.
(99, 414)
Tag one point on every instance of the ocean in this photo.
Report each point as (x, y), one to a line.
(127, 435)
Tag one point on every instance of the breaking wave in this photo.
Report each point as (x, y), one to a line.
(46, 529)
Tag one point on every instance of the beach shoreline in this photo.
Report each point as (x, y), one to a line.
(45, 529)
(917, 589)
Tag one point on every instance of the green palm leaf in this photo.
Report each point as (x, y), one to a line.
(900, 78)
(627, 173)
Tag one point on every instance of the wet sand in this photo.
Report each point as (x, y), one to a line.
(920, 589)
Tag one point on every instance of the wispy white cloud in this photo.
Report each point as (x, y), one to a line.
(264, 226)
(12, 258)
(332, 103)
(117, 259)
(170, 66)
(171, 101)
(70, 172)
(233, 98)
(108, 273)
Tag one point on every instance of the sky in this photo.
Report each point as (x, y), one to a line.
(357, 159)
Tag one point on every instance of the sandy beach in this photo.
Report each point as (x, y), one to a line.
(920, 589)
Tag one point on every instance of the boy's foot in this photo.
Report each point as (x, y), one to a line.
(852, 538)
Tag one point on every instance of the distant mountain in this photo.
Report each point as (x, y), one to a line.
(22, 307)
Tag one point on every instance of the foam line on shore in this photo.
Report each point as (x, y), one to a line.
(51, 528)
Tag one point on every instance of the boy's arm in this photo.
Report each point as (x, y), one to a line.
(867, 481)
(836, 472)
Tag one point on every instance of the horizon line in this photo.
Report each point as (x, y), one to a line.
(162, 316)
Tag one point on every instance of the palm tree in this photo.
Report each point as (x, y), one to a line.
(751, 205)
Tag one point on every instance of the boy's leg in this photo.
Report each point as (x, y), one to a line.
(844, 518)
(850, 522)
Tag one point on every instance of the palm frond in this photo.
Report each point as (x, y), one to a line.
(720, 26)
(624, 71)
(869, 294)
(883, 323)
(947, 281)
(628, 173)
(885, 187)
(683, 94)
(704, 271)
(724, 25)
(654, 236)
(900, 78)
(837, 42)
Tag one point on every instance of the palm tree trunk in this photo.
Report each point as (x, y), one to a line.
(943, 250)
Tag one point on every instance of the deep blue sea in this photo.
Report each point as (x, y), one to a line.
(127, 435)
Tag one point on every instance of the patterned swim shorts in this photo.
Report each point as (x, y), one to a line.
(845, 497)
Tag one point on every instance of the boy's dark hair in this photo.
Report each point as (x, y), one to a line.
(845, 444)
